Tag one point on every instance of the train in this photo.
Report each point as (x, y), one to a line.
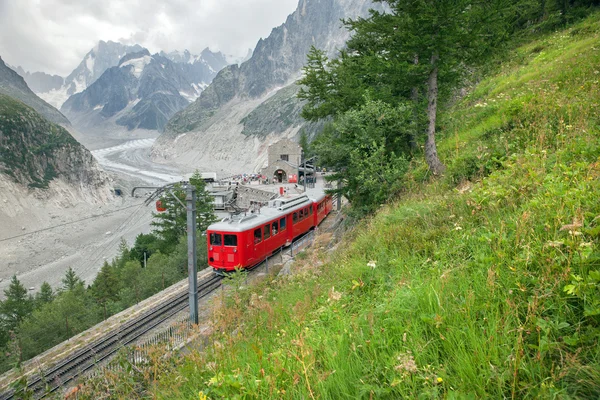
(243, 241)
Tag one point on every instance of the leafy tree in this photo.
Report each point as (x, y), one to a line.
(161, 273)
(70, 313)
(71, 281)
(367, 149)
(172, 224)
(44, 296)
(144, 244)
(131, 277)
(426, 43)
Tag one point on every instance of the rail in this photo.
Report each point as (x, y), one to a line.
(101, 350)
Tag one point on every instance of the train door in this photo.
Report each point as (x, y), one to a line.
(231, 257)
(215, 249)
(258, 248)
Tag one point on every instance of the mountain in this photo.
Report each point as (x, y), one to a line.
(35, 151)
(12, 84)
(233, 121)
(40, 82)
(142, 92)
(103, 56)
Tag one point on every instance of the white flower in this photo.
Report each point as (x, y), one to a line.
(372, 264)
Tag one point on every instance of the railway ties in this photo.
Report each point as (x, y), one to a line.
(86, 358)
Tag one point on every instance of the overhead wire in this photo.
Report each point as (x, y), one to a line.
(71, 222)
(112, 240)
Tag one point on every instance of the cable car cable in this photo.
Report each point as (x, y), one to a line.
(69, 223)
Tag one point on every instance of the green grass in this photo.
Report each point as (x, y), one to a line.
(483, 284)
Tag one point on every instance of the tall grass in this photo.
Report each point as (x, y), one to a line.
(481, 285)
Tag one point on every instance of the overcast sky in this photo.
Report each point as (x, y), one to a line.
(53, 35)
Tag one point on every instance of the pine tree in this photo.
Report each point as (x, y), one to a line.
(106, 286)
(44, 296)
(71, 281)
(172, 224)
(17, 305)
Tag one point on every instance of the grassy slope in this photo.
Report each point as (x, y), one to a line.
(454, 291)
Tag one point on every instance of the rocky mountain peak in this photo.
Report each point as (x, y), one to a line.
(134, 55)
(277, 60)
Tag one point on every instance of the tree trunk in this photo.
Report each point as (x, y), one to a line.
(413, 139)
(431, 156)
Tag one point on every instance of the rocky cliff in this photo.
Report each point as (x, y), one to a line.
(13, 85)
(249, 106)
(143, 91)
(34, 151)
(103, 56)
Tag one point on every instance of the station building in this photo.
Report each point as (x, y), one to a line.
(283, 159)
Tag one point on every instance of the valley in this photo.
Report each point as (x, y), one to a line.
(85, 245)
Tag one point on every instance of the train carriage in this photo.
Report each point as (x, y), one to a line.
(242, 241)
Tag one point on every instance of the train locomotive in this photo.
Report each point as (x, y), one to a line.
(244, 240)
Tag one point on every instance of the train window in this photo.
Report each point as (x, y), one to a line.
(267, 231)
(215, 239)
(295, 218)
(274, 228)
(310, 210)
(230, 240)
(257, 235)
(282, 222)
(301, 217)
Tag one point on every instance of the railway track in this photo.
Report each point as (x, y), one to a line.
(86, 358)
(103, 348)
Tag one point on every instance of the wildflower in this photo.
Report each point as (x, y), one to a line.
(333, 295)
(372, 264)
(571, 227)
(407, 363)
(439, 379)
(202, 395)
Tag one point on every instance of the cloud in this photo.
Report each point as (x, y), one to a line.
(54, 35)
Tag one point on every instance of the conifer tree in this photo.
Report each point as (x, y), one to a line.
(17, 305)
(71, 281)
(44, 296)
(171, 224)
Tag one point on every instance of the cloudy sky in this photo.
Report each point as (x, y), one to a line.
(53, 35)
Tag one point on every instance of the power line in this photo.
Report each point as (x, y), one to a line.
(111, 241)
(71, 222)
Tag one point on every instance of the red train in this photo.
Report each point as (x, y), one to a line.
(242, 241)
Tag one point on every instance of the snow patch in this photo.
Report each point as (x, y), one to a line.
(56, 97)
(89, 63)
(138, 65)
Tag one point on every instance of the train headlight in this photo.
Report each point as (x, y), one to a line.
(210, 248)
(235, 250)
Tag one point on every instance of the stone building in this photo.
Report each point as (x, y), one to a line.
(283, 160)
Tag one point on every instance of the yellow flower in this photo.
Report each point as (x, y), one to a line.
(202, 395)
(439, 379)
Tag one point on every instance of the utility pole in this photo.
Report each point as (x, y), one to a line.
(190, 206)
(339, 197)
(190, 200)
(299, 164)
